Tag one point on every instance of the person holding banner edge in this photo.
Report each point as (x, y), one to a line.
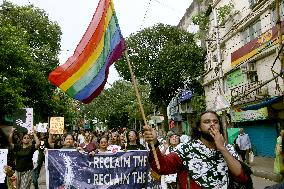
(103, 145)
(23, 155)
(68, 142)
(206, 160)
(132, 141)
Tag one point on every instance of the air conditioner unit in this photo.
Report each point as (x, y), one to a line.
(251, 67)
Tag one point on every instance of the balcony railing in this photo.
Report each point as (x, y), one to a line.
(248, 92)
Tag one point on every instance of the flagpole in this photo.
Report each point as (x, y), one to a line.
(140, 105)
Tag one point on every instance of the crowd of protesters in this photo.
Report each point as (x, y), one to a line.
(205, 147)
(27, 151)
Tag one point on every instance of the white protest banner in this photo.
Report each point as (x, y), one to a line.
(41, 127)
(23, 120)
(56, 125)
(72, 169)
(3, 162)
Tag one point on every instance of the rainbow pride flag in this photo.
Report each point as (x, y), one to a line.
(84, 74)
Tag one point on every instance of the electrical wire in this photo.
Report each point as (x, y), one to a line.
(147, 9)
(256, 33)
(243, 37)
(168, 6)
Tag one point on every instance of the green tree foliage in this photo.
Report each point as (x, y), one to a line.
(29, 48)
(224, 12)
(166, 58)
(198, 104)
(202, 18)
(117, 106)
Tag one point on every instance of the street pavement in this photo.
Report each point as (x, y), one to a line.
(262, 169)
(41, 179)
(261, 183)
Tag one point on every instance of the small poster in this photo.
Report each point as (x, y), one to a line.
(3, 162)
(56, 125)
(23, 120)
(41, 127)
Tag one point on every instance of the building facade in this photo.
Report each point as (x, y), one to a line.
(243, 66)
(180, 112)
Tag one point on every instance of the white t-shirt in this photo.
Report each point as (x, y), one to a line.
(243, 141)
(184, 139)
(81, 138)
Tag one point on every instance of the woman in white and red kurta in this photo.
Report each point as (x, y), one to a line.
(206, 160)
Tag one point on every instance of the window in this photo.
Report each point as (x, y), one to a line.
(253, 3)
(273, 14)
(252, 32)
(245, 35)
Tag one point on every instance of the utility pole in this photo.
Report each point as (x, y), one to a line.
(278, 23)
(220, 71)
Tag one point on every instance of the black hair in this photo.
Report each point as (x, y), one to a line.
(64, 137)
(100, 138)
(195, 133)
(137, 136)
(169, 136)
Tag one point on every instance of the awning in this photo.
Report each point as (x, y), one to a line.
(184, 95)
(263, 104)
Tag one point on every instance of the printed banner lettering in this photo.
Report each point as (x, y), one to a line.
(72, 169)
(56, 125)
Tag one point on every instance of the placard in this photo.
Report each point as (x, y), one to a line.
(56, 125)
(41, 127)
(3, 162)
(23, 120)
